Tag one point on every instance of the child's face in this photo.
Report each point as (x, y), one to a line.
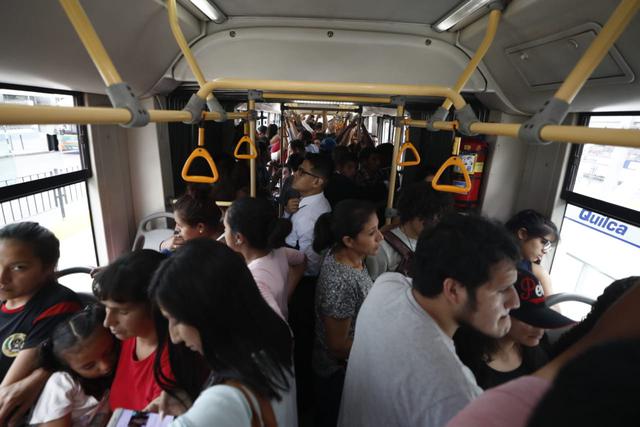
(95, 357)
(128, 320)
(22, 274)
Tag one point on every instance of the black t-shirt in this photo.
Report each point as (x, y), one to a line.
(532, 359)
(27, 326)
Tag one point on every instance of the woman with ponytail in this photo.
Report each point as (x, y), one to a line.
(253, 229)
(196, 215)
(83, 355)
(350, 233)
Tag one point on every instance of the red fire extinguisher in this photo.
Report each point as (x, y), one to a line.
(473, 153)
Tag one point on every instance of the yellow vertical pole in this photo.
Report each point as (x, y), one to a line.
(616, 24)
(91, 41)
(251, 105)
(394, 161)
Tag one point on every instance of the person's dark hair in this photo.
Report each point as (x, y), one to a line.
(385, 151)
(598, 388)
(263, 129)
(297, 146)
(347, 219)
(365, 153)
(69, 334)
(258, 222)
(420, 200)
(306, 136)
(44, 244)
(293, 161)
(342, 156)
(320, 165)
(273, 130)
(127, 279)
(536, 224)
(461, 247)
(610, 295)
(198, 205)
(242, 337)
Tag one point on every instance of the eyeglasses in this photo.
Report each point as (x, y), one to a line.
(546, 244)
(301, 171)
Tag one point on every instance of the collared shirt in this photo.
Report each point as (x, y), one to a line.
(303, 221)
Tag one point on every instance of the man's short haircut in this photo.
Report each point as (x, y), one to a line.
(321, 165)
(297, 145)
(420, 200)
(463, 248)
(342, 156)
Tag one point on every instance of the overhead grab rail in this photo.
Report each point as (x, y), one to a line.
(408, 146)
(252, 152)
(200, 152)
(456, 161)
(492, 28)
(119, 92)
(211, 101)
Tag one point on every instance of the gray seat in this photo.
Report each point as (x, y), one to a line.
(554, 299)
(86, 296)
(153, 230)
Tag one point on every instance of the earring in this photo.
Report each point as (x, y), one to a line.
(200, 231)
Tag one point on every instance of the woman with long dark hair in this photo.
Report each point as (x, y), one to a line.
(253, 229)
(535, 235)
(351, 233)
(218, 312)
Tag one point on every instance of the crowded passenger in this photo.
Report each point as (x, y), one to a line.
(33, 303)
(419, 206)
(496, 361)
(464, 270)
(342, 185)
(536, 235)
(196, 215)
(218, 312)
(512, 403)
(144, 367)
(350, 233)
(253, 229)
(83, 354)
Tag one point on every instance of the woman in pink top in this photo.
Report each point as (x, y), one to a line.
(253, 229)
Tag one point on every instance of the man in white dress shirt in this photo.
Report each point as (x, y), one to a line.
(309, 180)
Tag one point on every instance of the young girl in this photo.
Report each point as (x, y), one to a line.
(32, 304)
(84, 353)
(196, 215)
(351, 231)
(213, 306)
(535, 234)
(253, 229)
(146, 365)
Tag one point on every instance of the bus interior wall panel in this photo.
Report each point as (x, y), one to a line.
(527, 21)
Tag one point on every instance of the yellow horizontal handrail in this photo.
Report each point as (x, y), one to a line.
(335, 98)
(202, 153)
(332, 88)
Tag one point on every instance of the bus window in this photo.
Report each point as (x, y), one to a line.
(43, 172)
(599, 237)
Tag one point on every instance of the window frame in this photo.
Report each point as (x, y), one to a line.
(23, 189)
(595, 205)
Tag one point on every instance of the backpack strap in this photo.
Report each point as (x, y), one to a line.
(400, 247)
(268, 417)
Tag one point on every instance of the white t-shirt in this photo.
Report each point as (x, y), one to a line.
(403, 370)
(63, 395)
(271, 273)
(225, 406)
(388, 259)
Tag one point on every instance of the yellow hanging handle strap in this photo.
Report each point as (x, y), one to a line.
(456, 161)
(200, 152)
(408, 146)
(253, 152)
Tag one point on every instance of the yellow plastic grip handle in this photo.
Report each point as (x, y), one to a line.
(200, 152)
(452, 161)
(253, 153)
(404, 147)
